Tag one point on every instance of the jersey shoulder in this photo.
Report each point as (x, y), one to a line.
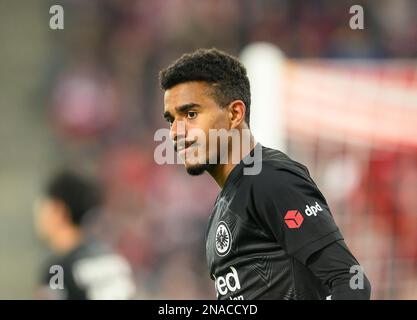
(278, 169)
(276, 160)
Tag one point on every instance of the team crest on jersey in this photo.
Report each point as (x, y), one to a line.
(223, 239)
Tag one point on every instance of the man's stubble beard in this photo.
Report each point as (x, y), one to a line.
(197, 170)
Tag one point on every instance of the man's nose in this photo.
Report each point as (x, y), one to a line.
(178, 130)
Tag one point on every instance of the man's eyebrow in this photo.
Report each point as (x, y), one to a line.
(181, 109)
(186, 107)
(168, 116)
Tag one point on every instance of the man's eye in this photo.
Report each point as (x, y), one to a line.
(191, 114)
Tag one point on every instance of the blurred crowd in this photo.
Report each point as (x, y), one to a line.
(104, 105)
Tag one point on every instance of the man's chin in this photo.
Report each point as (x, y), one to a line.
(196, 170)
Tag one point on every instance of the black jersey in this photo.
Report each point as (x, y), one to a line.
(90, 271)
(263, 229)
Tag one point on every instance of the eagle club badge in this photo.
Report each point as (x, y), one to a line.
(223, 239)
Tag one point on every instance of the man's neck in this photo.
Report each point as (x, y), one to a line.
(221, 172)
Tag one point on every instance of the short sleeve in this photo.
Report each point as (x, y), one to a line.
(292, 209)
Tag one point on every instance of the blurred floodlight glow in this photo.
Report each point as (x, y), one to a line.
(264, 63)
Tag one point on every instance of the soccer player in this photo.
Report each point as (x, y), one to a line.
(82, 268)
(271, 235)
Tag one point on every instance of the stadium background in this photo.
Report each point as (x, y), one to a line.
(87, 97)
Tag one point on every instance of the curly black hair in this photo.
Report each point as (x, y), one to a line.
(224, 72)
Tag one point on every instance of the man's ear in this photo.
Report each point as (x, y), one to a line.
(237, 110)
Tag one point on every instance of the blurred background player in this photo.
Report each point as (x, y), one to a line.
(81, 268)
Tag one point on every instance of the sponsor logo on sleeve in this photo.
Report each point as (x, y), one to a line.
(313, 210)
(294, 219)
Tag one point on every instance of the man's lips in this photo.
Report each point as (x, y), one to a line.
(183, 146)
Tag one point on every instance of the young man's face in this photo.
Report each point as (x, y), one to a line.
(49, 217)
(191, 110)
